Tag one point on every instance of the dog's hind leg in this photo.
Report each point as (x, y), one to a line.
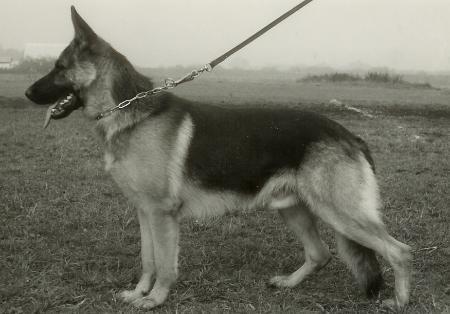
(147, 257)
(302, 223)
(345, 195)
(164, 228)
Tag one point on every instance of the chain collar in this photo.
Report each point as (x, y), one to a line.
(168, 84)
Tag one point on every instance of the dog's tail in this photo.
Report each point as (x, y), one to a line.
(365, 150)
(362, 263)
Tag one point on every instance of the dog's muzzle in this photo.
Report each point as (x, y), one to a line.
(62, 108)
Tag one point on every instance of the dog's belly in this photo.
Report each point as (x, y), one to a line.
(277, 193)
(201, 203)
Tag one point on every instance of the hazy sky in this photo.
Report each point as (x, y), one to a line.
(401, 34)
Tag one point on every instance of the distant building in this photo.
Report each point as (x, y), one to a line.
(7, 63)
(40, 50)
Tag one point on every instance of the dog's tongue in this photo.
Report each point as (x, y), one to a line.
(48, 115)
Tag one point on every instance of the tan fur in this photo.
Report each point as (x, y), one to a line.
(282, 185)
(199, 203)
(175, 166)
(344, 194)
(340, 190)
(82, 74)
(277, 193)
(302, 223)
(143, 167)
(99, 98)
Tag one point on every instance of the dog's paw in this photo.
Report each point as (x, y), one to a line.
(130, 295)
(281, 282)
(156, 297)
(390, 304)
(146, 302)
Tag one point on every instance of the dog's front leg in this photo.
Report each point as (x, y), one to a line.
(164, 227)
(148, 260)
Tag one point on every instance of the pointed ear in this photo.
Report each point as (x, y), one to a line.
(83, 32)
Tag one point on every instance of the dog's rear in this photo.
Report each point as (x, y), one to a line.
(343, 192)
(341, 189)
(172, 158)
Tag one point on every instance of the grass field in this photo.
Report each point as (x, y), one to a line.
(69, 241)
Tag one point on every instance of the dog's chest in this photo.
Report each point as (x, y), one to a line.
(139, 165)
(109, 161)
(137, 172)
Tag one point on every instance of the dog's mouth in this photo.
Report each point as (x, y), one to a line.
(63, 107)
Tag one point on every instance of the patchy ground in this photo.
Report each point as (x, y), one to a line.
(69, 241)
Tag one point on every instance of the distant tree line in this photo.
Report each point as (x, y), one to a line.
(370, 77)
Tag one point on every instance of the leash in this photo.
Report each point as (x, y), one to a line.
(170, 83)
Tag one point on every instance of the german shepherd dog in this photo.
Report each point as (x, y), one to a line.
(173, 158)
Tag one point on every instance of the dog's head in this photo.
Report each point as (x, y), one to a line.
(74, 71)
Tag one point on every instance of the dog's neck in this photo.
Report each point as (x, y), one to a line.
(118, 82)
